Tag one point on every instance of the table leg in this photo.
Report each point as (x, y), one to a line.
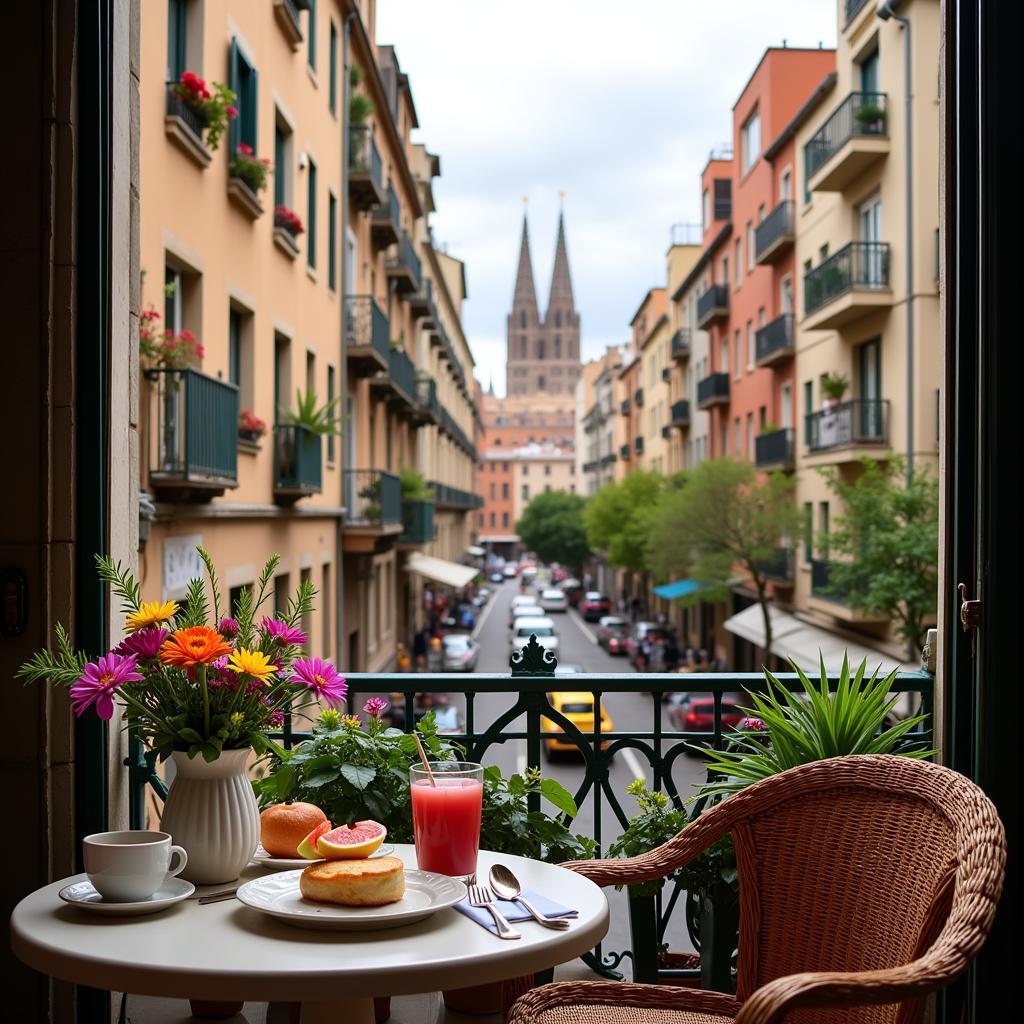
(350, 1010)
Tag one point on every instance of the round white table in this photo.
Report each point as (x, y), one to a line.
(226, 951)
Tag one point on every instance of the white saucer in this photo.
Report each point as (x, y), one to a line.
(270, 863)
(85, 897)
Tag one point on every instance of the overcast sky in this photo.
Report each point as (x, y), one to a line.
(616, 104)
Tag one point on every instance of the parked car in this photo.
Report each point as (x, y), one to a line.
(462, 617)
(509, 571)
(573, 590)
(695, 712)
(542, 626)
(530, 611)
(553, 600)
(611, 633)
(569, 670)
(446, 714)
(641, 631)
(579, 709)
(482, 596)
(594, 605)
(498, 576)
(459, 653)
(518, 602)
(558, 574)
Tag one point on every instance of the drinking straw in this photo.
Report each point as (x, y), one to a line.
(423, 758)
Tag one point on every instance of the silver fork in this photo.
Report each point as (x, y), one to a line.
(480, 896)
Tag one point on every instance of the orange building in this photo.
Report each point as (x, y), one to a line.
(496, 524)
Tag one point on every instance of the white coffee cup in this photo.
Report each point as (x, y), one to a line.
(129, 866)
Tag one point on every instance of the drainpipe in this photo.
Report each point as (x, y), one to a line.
(885, 11)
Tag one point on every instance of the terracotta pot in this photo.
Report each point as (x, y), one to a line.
(209, 1009)
(476, 999)
(381, 1010)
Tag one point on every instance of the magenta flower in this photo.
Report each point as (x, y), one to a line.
(283, 633)
(752, 724)
(228, 628)
(143, 644)
(97, 684)
(375, 706)
(322, 678)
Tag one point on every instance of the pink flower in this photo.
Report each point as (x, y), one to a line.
(228, 628)
(143, 644)
(243, 147)
(99, 680)
(752, 724)
(283, 633)
(375, 706)
(232, 113)
(322, 678)
(276, 717)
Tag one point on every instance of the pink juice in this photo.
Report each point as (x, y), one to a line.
(446, 824)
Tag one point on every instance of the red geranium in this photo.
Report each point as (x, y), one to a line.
(288, 219)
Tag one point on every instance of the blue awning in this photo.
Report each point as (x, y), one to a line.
(681, 588)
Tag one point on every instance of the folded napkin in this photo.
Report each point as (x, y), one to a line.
(514, 911)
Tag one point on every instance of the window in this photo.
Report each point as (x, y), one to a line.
(526, 492)
(243, 81)
(823, 525)
(808, 397)
(330, 399)
(750, 241)
(522, 321)
(332, 242)
(751, 354)
(494, 491)
(332, 72)
(823, 253)
(541, 352)
(750, 436)
(234, 346)
(282, 591)
(282, 375)
(177, 39)
(282, 162)
(540, 383)
(725, 270)
(558, 348)
(738, 354)
(808, 531)
(526, 469)
(786, 405)
(311, 215)
(760, 214)
(786, 185)
(547, 470)
(869, 72)
(547, 488)
(492, 519)
(311, 34)
(725, 438)
(325, 609)
(724, 356)
(504, 519)
(705, 209)
(739, 261)
(504, 488)
(173, 296)
(762, 417)
(737, 438)
(750, 141)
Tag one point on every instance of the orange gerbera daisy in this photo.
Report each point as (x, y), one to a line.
(197, 645)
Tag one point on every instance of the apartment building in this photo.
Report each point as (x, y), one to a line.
(650, 327)
(598, 431)
(627, 432)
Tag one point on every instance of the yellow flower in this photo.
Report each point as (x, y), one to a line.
(351, 721)
(251, 663)
(151, 614)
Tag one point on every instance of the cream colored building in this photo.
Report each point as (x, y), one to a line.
(859, 313)
(537, 469)
(596, 426)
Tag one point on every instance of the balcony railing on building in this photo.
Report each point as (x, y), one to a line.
(638, 445)
(385, 223)
(398, 382)
(428, 407)
(773, 343)
(779, 566)
(851, 283)
(373, 498)
(298, 462)
(365, 168)
(666, 373)
(624, 407)
(366, 335)
(453, 497)
(775, 449)
(608, 459)
(403, 266)
(624, 452)
(852, 9)
(680, 413)
(850, 424)
(666, 431)
(681, 344)
(854, 137)
(713, 305)
(186, 125)
(713, 390)
(193, 427)
(417, 522)
(638, 397)
(775, 233)
(421, 302)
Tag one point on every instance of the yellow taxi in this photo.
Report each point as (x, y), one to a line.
(578, 707)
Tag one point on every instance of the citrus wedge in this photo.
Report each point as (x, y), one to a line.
(307, 848)
(351, 841)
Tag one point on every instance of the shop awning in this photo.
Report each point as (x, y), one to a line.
(452, 574)
(475, 550)
(801, 642)
(681, 588)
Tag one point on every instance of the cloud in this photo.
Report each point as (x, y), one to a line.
(617, 105)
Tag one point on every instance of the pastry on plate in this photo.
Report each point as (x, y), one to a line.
(354, 883)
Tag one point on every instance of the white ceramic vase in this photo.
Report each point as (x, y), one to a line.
(211, 811)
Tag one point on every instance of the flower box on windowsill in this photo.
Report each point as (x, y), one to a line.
(244, 198)
(186, 140)
(286, 242)
(249, 443)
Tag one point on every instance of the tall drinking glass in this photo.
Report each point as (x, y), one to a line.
(446, 808)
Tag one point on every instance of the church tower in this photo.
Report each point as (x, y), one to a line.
(543, 356)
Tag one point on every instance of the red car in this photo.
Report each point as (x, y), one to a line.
(594, 605)
(573, 590)
(612, 633)
(695, 712)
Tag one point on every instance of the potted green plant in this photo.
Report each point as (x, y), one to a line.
(317, 419)
(249, 170)
(414, 485)
(870, 118)
(212, 109)
(834, 385)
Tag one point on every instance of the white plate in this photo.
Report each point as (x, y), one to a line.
(84, 896)
(278, 895)
(272, 863)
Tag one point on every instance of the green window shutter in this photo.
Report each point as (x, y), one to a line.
(332, 241)
(234, 131)
(278, 165)
(332, 77)
(311, 217)
(235, 346)
(252, 109)
(311, 33)
(177, 53)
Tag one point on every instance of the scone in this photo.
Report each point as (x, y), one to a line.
(354, 883)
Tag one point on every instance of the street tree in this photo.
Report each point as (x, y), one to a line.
(551, 526)
(887, 543)
(616, 518)
(722, 522)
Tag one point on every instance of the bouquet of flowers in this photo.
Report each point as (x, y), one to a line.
(166, 349)
(187, 686)
(214, 109)
(253, 170)
(250, 425)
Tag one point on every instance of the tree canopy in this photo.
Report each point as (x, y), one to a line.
(551, 526)
(616, 518)
(887, 540)
(721, 522)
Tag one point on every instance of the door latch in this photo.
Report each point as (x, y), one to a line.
(970, 611)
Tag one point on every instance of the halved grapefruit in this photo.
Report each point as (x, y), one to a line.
(307, 848)
(351, 841)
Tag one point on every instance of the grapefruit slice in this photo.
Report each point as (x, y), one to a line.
(307, 848)
(351, 841)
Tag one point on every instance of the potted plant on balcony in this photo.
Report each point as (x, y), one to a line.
(248, 173)
(212, 109)
(833, 387)
(250, 427)
(870, 118)
(360, 106)
(312, 422)
(413, 485)
(287, 228)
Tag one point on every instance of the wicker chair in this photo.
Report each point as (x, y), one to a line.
(866, 883)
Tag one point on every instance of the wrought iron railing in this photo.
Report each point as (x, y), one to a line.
(363, 156)
(681, 413)
(638, 397)
(454, 497)
(861, 114)
(681, 343)
(779, 566)
(713, 302)
(417, 521)
(774, 449)
(854, 422)
(373, 497)
(388, 211)
(192, 117)
(366, 324)
(426, 396)
(858, 265)
(406, 259)
(666, 373)
(402, 371)
(775, 339)
(298, 463)
(822, 584)
(712, 388)
(852, 8)
(779, 224)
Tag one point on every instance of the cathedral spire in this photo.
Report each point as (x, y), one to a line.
(525, 297)
(560, 297)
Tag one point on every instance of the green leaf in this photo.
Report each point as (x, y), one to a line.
(323, 777)
(359, 775)
(189, 735)
(554, 792)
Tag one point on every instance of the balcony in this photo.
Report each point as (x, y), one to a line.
(421, 302)
(373, 510)
(848, 143)
(287, 14)
(666, 373)
(773, 343)
(428, 410)
(638, 445)
(713, 305)
(779, 566)
(386, 223)
(365, 169)
(638, 397)
(297, 463)
(847, 430)
(775, 450)
(775, 234)
(624, 407)
(681, 344)
(366, 335)
(624, 452)
(827, 597)
(609, 459)
(849, 285)
(193, 431)
(453, 497)
(398, 382)
(713, 390)
(681, 414)
(403, 266)
(185, 126)
(666, 432)
(417, 522)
